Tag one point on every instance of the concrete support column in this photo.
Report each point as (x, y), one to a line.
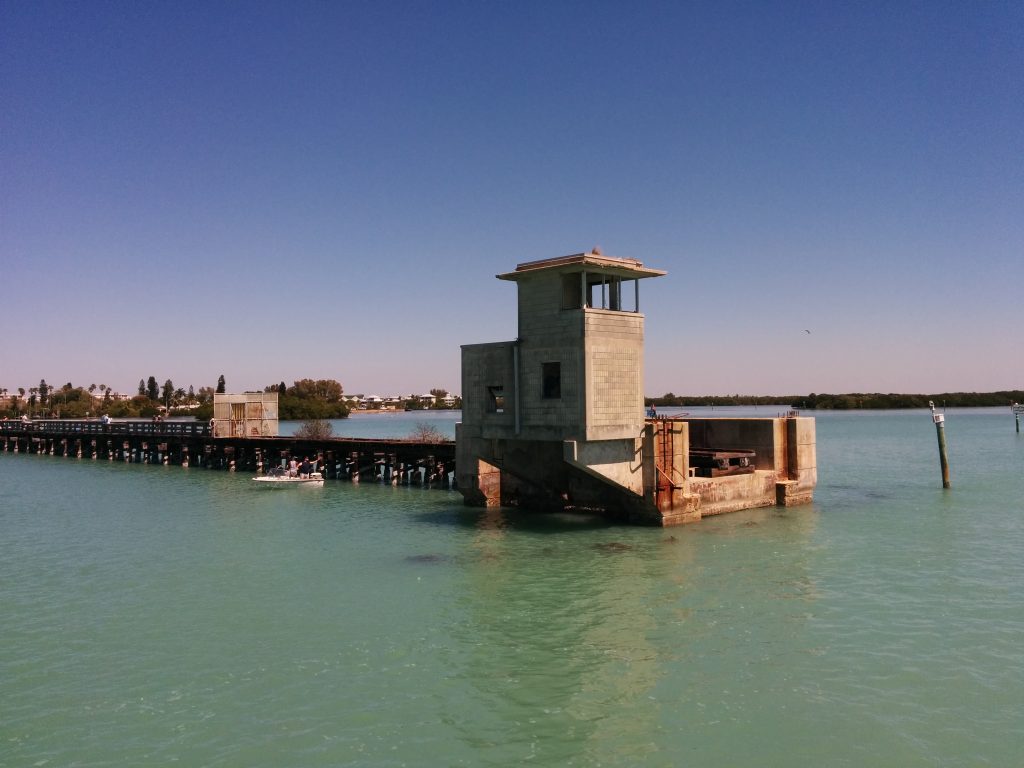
(801, 464)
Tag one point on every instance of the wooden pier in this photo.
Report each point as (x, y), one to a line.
(191, 444)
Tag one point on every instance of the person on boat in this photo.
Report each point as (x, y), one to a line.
(304, 467)
(293, 468)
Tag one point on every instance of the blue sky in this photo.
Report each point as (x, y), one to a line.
(326, 190)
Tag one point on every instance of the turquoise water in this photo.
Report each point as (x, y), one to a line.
(385, 423)
(155, 615)
(403, 423)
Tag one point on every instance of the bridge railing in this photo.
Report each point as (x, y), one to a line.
(96, 427)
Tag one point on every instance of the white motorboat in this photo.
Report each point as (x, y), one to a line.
(277, 477)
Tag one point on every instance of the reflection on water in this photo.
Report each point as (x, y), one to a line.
(587, 644)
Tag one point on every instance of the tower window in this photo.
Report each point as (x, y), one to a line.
(551, 377)
(496, 399)
(572, 291)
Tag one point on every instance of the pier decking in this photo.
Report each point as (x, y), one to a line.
(191, 444)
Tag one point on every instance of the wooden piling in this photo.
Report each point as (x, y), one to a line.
(388, 461)
(940, 432)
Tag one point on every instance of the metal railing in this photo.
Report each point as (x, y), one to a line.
(97, 427)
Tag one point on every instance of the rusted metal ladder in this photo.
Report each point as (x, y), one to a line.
(664, 463)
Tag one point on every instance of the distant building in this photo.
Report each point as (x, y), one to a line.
(249, 414)
(101, 396)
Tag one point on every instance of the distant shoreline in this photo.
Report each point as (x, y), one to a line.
(849, 401)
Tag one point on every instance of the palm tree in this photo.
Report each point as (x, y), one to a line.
(167, 394)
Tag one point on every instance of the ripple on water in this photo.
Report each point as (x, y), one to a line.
(155, 615)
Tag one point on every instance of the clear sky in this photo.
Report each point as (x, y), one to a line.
(326, 190)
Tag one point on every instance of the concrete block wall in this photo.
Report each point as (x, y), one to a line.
(541, 316)
(764, 436)
(559, 417)
(483, 366)
(614, 374)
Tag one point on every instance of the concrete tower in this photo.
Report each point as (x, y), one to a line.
(555, 416)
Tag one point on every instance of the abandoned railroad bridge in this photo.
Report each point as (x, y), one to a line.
(553, 419)
(191, 444)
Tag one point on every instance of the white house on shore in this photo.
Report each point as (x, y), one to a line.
(397, 402)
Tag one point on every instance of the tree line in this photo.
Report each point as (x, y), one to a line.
(77, 402)
(846, 401)
(310, 399)
(305, 399)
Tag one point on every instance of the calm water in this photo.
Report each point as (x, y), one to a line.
(155, 615)
(386, 423)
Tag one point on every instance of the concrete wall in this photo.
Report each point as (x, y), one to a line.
(599, 349)
(541, 317)
(718, 495)
(551, 418)
(802, 460)
(802, 450)
(537, 474)
(616, 461)
(786, 463)
(614, 374)
(764, 436)
(483, 366)
(783, 445)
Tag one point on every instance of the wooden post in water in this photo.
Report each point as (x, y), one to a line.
(1018, 409)
(940, 431)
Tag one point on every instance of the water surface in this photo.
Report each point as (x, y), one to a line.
(157, 615)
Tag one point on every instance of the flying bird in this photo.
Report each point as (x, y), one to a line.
(806, 331)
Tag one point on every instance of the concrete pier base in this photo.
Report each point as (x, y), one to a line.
(646, 480)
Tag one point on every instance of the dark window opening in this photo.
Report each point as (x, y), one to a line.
(551, 377)
(605, 293)
(572, 291)
(496, 399)
(599, 291)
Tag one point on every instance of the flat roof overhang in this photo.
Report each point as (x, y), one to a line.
(627, 269)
